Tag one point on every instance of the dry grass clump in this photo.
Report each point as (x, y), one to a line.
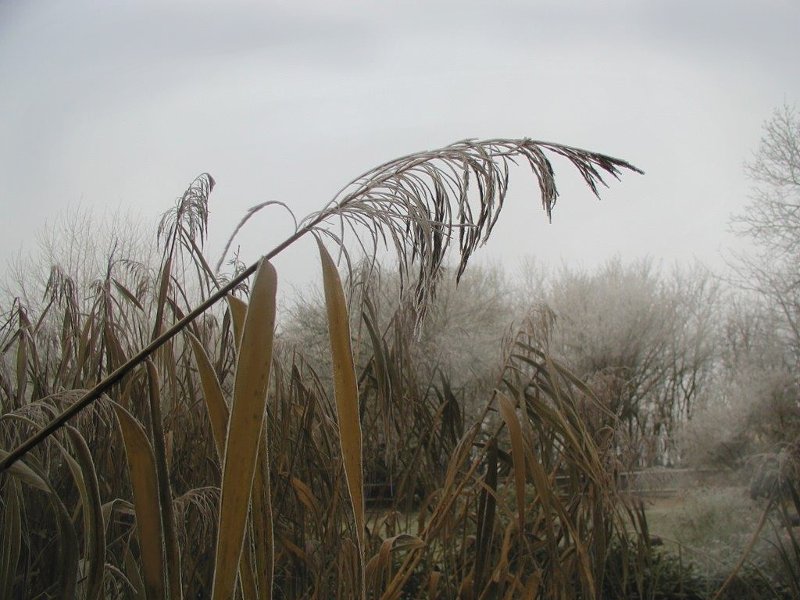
(218, 463)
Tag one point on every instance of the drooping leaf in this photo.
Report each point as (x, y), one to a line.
(65, 568)
(25, 474)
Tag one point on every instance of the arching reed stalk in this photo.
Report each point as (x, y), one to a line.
(225, 466)
(416, 204)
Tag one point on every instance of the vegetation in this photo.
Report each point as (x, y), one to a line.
(158, 443)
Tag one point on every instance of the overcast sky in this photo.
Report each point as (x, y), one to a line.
(122, 104)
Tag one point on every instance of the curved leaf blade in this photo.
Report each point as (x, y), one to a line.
(142, 468)
(212, 391)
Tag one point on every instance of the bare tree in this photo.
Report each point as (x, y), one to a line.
(771, 221)
(461, 336)
(750, 408)
(644, 342)
(754, 409)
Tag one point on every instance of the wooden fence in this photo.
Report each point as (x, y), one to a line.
(664, 482)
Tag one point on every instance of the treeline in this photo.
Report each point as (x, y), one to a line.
(683, 360)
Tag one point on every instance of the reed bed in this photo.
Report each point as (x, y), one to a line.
(219, 462)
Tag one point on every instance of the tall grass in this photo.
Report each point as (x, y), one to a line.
(216, 462)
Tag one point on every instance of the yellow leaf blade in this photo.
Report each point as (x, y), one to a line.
(244, 428)
(238, 310)
(345, 393)
(142, 468)
(212, 391)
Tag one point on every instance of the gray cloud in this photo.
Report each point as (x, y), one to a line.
(126, 102)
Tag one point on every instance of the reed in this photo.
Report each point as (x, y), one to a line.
(159, 444)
